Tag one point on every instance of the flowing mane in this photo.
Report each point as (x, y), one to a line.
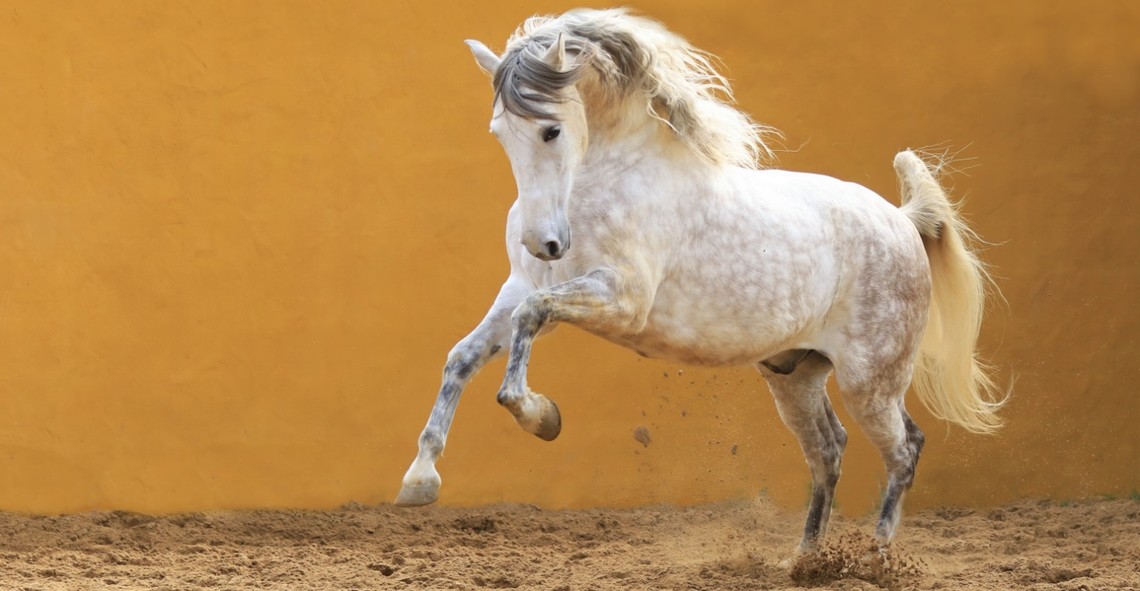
(632, 54)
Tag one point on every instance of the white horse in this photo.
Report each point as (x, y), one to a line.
(644, 218)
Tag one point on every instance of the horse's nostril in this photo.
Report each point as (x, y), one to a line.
(553, 248)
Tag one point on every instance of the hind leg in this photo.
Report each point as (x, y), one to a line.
(877, 405)
(873, 341)
(799, 390)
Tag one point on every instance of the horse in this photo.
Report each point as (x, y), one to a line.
(645, 216)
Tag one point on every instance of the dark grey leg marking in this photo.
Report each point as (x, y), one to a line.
(464, 361)
(915, 439)
(823, 494)
(900, 479)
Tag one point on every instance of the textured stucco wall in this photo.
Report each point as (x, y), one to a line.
(237, 240)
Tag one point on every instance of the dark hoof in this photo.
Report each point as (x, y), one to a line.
(551, 423)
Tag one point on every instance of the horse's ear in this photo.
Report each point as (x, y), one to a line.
(487, 60)
(556, 56)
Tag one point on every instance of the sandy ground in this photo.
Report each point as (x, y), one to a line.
(728, 546)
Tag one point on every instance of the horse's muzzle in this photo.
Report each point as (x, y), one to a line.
(550, 249)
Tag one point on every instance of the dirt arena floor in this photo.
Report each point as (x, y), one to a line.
(730, 546)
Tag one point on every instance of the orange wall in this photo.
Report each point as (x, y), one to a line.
(238, 239)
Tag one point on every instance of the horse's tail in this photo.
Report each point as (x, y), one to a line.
(949, 378)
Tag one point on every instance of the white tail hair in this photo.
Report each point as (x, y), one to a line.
(949, 378)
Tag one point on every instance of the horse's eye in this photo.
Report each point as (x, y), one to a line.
(550, 133)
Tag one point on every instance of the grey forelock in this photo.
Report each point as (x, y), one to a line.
(524, 82)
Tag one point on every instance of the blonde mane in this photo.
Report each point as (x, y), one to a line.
(632, 54)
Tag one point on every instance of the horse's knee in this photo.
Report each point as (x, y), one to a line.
(463, 361)
(532, 314)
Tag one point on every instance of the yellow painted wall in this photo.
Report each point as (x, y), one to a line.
(237, 240)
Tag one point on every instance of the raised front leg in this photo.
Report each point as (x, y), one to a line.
(489, 339)
(600, 301)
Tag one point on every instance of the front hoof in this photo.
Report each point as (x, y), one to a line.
(421, 485)
(417, 495)
(535, 413)
(550, 421)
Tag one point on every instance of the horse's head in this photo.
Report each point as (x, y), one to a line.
(635, 75)
(540, 120)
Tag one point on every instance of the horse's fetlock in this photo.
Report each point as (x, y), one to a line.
(507, 397)
(432, 441)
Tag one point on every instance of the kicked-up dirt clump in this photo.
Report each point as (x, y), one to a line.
(856, 556)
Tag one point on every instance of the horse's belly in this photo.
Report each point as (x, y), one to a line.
(651, 345)
(743, 310)
(709, 334)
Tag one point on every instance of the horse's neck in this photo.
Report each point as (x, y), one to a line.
(626, 141)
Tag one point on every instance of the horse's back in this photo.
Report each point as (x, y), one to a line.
(859, 227)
